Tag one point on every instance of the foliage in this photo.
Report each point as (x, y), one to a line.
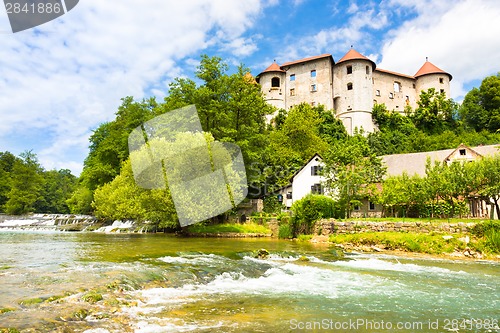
(285, 231)
(246, 228)
(351, 169)
(481, 107)
(309, 209)
(26, 184)
(80, 201)
(434, 113)
(272, 205)
(57, 188)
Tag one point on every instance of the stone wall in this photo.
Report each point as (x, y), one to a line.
(331, 226)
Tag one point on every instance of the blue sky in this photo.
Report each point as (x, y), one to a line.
(60, 80)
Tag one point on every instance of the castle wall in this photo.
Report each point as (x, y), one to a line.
(385, 92)
(274, 95)
(305, 88)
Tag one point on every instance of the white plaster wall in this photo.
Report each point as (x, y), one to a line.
(303, 180)
(384, 82)
(274, 96)
(423, 83)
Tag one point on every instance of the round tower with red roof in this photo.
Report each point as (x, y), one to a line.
(353, 91)
(272, 80)
(430, 76)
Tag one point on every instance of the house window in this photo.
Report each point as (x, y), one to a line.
(391, 95)
(349, 86)
(463, 152)
(289, 195)
(377, 92)
(313, 73)
(441, 80)
(372, 206)
(313, 103)
(292, 92)
(292, 77)
(313, 87)
(275, 82)
(407, 98)
(367, 70)
(349, 69)
(316, 170)
(356, 208)
(397, 87)
(317, 189)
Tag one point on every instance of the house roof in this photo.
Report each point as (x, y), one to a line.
(394, 73)
(274, 67)
(305, 164)
(429, 68)
(325, 55)
(414, 163)
(352, 54)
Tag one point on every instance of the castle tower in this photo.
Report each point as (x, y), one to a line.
(272, 81)
(430, 76)
(353, 91)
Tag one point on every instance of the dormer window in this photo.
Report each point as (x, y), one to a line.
(463, 152)
(275, 82)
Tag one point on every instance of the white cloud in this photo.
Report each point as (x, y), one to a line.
(67, 76)
(458, 37)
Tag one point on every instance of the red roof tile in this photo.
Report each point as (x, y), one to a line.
(430, 68)
(273, 68)
(352, 54)
(306, 59)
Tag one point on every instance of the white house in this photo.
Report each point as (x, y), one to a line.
(306, 180)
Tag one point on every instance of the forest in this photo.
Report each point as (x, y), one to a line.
(232, 109)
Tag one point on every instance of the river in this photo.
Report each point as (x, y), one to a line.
(158, 283)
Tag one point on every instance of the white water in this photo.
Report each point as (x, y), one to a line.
(117, 226)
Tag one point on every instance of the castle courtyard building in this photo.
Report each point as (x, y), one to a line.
(350, 86)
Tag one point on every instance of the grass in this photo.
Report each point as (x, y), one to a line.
(246, 228)
(431, 243)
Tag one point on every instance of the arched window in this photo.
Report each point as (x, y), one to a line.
(349, 86)
(275, 82)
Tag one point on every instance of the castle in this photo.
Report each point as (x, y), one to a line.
(350, 86)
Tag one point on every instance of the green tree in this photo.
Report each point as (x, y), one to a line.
(481, 107)
(489, 173)
(434, 113)
(80, 201)
(26, 183)
(351, 168)
(7, 161)
(57, 188)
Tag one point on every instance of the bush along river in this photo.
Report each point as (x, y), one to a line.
(96, 282)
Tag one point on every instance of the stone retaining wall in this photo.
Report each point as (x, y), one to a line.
(331, 226)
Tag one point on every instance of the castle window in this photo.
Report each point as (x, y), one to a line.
(313, 103)
(349, 86)
(313, 87)
(377, 92)
(313, 73)
(367, 70)
(349, 69)
(292, 92)
(391, 95)
(292, 77)
(414, 86)
(441, 91)
(463, 152)
(407, 98)
(275, 82)
(441, 80)
(397, 87)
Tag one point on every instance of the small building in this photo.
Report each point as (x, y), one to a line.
(307, 179)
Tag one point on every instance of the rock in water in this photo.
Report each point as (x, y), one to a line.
(262, 254)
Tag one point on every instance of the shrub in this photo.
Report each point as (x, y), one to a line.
(309, 209)
(285, 231)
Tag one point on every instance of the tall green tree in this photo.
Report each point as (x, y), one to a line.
(481, 107)
(26, 183)
(58, 186)
(435, 112)
(351, 167)
(7, 161)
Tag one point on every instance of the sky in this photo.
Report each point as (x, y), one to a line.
(60, 80)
